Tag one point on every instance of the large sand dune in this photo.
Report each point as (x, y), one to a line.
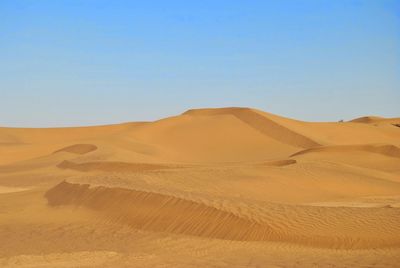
(230, 187)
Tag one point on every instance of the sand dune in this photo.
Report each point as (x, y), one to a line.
(368, 119)
(229, 187)
(162, 213)
(263, 124)
(385, 157)
(375, 119)
(156, 212)
(205, 138)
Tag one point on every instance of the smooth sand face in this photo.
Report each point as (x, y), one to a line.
(232, 187)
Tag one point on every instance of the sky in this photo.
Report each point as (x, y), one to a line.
(90, 62)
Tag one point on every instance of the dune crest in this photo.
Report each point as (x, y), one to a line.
(261, 123)
(377, 120)
(384, 149)
(157, 212)
(368, 119)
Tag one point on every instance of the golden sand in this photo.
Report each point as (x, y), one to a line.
(230, 187)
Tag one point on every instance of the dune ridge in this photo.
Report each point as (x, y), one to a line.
(374, 119)
(260, 123)
(157, 212)
(383, 149)
(367, 119)
(162, 213)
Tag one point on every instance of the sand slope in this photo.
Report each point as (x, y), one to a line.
(229, 187)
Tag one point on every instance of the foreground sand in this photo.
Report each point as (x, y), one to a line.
(232, 187)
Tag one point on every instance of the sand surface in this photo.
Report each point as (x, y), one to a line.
(231, 187)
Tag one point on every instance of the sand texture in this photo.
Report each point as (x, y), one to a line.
(227, 187)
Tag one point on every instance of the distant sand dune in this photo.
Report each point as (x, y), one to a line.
(373, 119)
(367, 119)
(262, 124)
(377, 120)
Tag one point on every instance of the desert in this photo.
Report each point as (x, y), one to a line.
(214, 187)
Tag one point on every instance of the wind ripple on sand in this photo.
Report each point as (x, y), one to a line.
(158, 212)
(311, 226)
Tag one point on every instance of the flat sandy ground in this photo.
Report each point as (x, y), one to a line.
(232, 187)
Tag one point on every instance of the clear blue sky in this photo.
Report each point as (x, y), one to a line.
(88, 62)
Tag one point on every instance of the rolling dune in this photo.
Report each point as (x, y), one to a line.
(332, 227)
(159, 213)
(262, 124)
(227, 187)
(375, 120)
